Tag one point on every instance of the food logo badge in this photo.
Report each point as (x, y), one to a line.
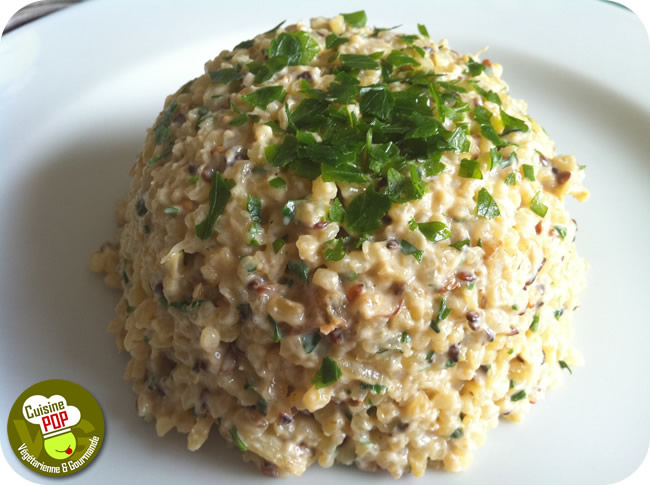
(56, 428)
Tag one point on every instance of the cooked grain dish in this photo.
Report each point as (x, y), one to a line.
(345, 244)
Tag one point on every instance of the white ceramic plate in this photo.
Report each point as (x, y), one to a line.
(79, 88)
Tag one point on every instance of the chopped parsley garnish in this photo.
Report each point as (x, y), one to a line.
(377, 100)
(564, 365)
(327, 375)
(518, 396)
(512, 124)
(537, 206)
(171, 211)
(254, 208)
(423, 30)
(434, 231)
(443, 313)
(405, 338)
(359, 61)
(261, 403)
(496, 161)
(470, 169)
(162, 156)
(236, 439)
(561, 230)
(310, 342)
(366, 210)
(300, 269)
(450, 363)
(558, 313)
(399, 59)
(458, 433)
(277, 333)
(475, 68)
(219, 197)
(486, 205)
(263, 96)
(194, 179)
(483, 117)
(529, 172)
(278, 244)
(429, 357)
(334, 250)
(511, 179)
(458, 245)
(336, 212)
(535, 325)
(512, 383)
(161, 130)
(297, 48)
(408, 248)
(225, 76)
(288, 212)
(355, 19)
(245, 44)
(278, 183)
(352, 276)
(333, 41)
(374, 388)
(488, 95)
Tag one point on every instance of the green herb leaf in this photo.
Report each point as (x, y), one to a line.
(518, 396)
(535, 325)
(486, 206)
(236, 439)
(564, 365)
(277, 333)
(300, 269)
(298, 48)
(458, 140)
(434, 231)
(475, 68)
(327, 375)
(344, 172)
(278, 183)
(310, 341)
(333, 41)
(398, 59)
(470, 169)
(161, 130)
(245, 44)
(529, 172)
(366, 210)
(374, 388)
(511, 124)
(561, 230)
(336, 252)
(225, 76)
(450, 363)
(511, 179)
(288, 212)
(278, 244)
(443, 313)
(408, 248)
(254, 208)
(359, 61)
(377, 100)
(537, 206)
(162, 156)
(263, 96)
(429, 357)
(558, 313)
(355, 19)
(482, 116)
(219, 197)
(488, 95)
(336, 212)
(274, 29)
(423, 30)
(458, 245)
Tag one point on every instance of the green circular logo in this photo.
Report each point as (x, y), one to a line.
(56, 428)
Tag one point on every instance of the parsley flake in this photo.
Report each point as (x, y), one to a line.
(236, 439)
(366, 210)
(355, 19)
(434, 231)
(327, 375)
(470, 169)
(336, 211)
(278, 183)
(310, 342)
(218, 199)
(537, 206)
(518, 396)
(564, 365)
(408, 248)
(458, 245)
(486, 206)
(225, 76)
(262, 97)
(359, 61)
